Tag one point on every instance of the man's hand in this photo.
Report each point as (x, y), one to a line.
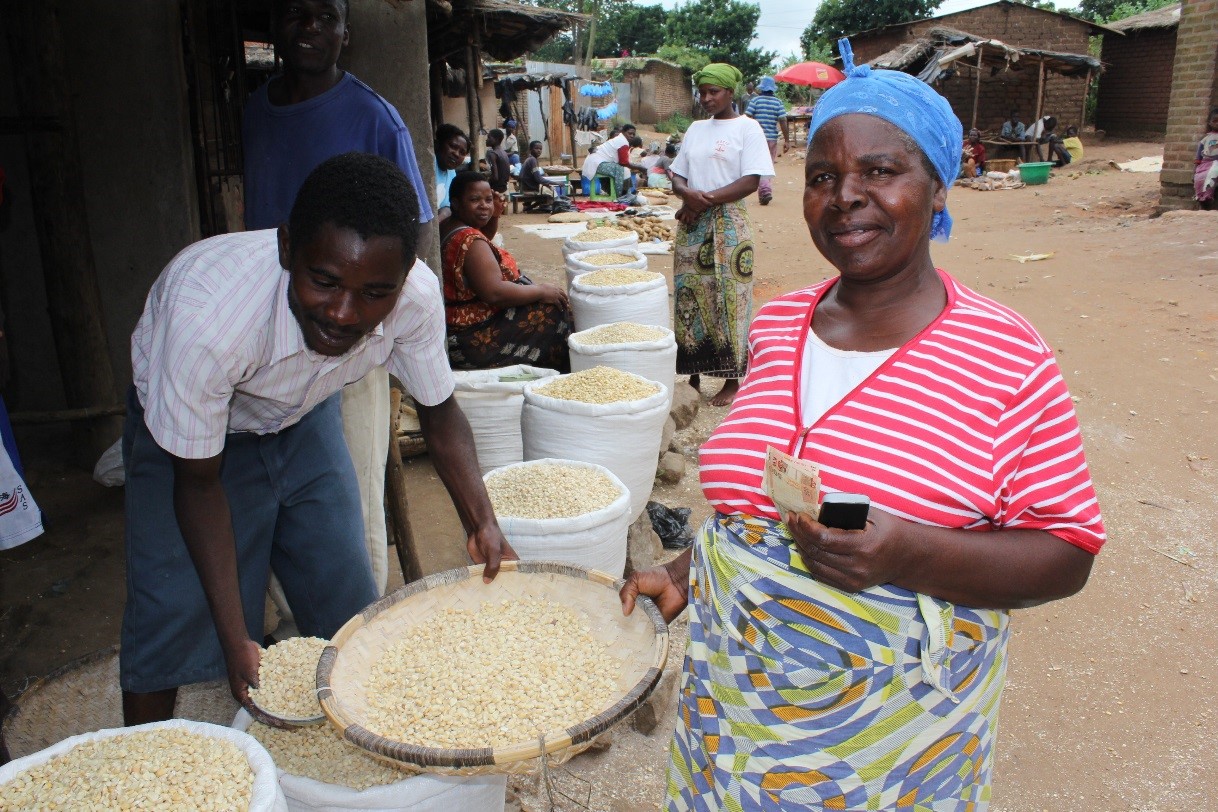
(486, 545)
(242, 663)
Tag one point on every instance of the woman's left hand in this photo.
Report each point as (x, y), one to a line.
(850, 560)
(686, 216)
(501, 202)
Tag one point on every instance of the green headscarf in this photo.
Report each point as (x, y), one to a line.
(720, 74)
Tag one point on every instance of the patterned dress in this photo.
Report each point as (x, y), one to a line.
(484, 337)
(798, 696)
(713, 283)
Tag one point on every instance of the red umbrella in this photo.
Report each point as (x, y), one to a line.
(813, 74)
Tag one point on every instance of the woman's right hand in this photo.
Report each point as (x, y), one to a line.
(664, 585)
(552, 294)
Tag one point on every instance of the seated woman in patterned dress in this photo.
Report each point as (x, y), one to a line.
(862, 669)
(495, 316)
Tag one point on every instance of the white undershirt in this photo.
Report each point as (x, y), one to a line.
(829, 374)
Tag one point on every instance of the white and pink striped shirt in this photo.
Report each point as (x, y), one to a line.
(217, 349)
(969, 425)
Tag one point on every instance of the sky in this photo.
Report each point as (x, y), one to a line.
(782, 21)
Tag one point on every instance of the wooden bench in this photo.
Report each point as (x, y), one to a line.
(516, 198)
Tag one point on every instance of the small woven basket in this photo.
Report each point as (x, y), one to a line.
(640, 640)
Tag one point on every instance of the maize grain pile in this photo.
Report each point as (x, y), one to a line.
(549, 491)
(167, 769)
(496, 676)
(609, 258)
(601, 234)
(616, 276)
(287, 678)
(320, 753)
(622, 332)
(599, 385)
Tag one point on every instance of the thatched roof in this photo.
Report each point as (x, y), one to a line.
(1166, 17)
(931, 57)
(507, 29)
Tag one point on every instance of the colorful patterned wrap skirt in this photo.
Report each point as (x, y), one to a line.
(797, 696)
(713, 299)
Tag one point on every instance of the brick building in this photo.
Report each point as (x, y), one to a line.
(1194, 91)
(659, 89)
(1015, 85)
(1136, 85)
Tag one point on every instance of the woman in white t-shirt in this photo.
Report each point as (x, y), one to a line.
(721, 162)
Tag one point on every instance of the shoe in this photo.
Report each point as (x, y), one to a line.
(765, 199)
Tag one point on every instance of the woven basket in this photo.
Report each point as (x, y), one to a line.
(1000, 164)
(641, 640)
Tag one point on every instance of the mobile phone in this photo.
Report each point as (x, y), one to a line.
(845, 511)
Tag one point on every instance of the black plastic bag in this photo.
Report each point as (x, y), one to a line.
(671, 525)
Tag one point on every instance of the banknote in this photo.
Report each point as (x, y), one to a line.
(793, 485)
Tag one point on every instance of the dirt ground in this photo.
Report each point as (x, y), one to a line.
(1109, 702)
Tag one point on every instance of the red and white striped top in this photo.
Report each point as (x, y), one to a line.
(969, 425)
(218, 350)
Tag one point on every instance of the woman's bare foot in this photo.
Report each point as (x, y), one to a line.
(695, 381)
(727, 394)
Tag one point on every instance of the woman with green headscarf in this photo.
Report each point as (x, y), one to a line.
(721, 162)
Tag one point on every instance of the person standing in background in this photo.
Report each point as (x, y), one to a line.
(721, 162)
(497, 161)
(769, 111)
(311, 112)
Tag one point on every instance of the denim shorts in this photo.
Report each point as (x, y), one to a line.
(295, 509)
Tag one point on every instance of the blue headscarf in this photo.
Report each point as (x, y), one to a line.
(905, 102)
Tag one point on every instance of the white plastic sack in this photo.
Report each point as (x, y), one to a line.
(264, 797)
(596, 540)
(109, 469)
(573, 245)
(577, 263)
(623, 437)
(654, 360)
(418, 793)
(492, 407)
(640, 302)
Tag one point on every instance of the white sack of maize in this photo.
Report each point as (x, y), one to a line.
(574, 245)
(623, 436)
(418, 793)
(492, 406)
(596, 539)
(654, 359)
(600, 258)
(265, 794)
(640, 302)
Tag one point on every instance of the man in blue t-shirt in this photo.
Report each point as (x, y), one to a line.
(314, 111)
(769, 111)
(309, 113)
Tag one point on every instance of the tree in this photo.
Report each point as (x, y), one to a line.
(1109, 11)
(638, 30)
(723, 30)
(840, 18)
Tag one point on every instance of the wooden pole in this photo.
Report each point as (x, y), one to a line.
(1040, 90)
(65, 415)
(395, 498)
(977, 85)
(57, 196)
(473, 83)
(477, 56)
(1082, 112)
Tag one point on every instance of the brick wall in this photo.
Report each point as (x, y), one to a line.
(1194, 90)
(1136, 84)
(662, 90)
(1017, 25)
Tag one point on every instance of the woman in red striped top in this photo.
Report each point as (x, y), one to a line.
(863, 669)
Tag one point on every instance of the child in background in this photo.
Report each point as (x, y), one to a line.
(510, 144)
(972, 159)
(497, 161)
(1206, 173)
(1072, 144)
